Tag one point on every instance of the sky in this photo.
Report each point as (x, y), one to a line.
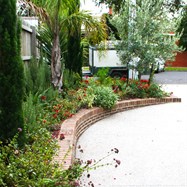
(90, 6)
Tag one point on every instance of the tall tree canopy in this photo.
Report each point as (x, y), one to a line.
(118, 4)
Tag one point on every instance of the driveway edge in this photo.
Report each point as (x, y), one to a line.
(74, 127)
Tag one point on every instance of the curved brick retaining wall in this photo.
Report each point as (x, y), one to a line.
(72, 128)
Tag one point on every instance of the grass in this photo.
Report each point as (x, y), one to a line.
(175, 68)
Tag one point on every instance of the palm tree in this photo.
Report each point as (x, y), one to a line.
(62, 20)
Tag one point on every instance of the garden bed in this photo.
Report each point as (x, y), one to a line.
(72, 128)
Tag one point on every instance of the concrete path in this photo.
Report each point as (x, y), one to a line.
(152, 143)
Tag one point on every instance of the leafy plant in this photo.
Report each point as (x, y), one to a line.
(138, 89)
(86, 97)
(71, 80)
(34, 165)
(102, 74)
(105, 97)
(37, 77)
(30, 110)
(144, 30)
(155, 91)
(26, 167)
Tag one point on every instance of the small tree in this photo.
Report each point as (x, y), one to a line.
(144, 29)
(11, 73)
(73, 59)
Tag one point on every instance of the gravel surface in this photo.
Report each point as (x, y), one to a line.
(152, 143)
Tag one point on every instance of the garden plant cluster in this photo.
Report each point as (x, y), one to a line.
(44, 111)
(33, 102)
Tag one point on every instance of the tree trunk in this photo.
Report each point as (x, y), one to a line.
(56, 72)
(139, 75)
(151, 74)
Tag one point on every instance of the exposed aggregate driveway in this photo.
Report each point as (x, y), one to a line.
(170, 77)
(152, 143)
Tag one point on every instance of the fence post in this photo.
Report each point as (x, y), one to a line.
(33, 42)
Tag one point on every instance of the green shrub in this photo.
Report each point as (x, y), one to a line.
(104, 97)
(37, 77)
(26, 167)
(34, 166)
(155, 91)
(71, 80)
(103, 76)
(86, 97)
(139, 89)
(30, 112)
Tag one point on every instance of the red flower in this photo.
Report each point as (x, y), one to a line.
(123, 79)
(144, 81)
(66, 114)
(57, 111)
(70, 115)
(75, 183)
(62, 137)
(89, 162)
(116, 150)
(59, 106)
(115, 88)
(118, 162)
(146, 86)
(43, 97)
(86, 81)
(44, 121)
(55, 115)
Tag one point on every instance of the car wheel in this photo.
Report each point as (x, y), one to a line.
(116, 75)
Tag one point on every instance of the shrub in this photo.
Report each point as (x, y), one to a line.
(104, 97)
(155, 91)
(26, 167)
(102, 73)
(34, 166)
(86, 97)
(37, 77)
(30, 112)
(71, 80)
(138, 89)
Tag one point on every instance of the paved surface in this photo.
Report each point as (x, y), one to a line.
(152, 143)
(170, 77)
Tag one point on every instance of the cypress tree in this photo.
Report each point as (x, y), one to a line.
(74, 56)
(11, 74)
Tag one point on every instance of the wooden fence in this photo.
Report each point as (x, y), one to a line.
(28, 42)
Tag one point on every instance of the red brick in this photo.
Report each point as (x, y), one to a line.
(73, 127)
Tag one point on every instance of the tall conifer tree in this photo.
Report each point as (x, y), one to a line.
(11, 73)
